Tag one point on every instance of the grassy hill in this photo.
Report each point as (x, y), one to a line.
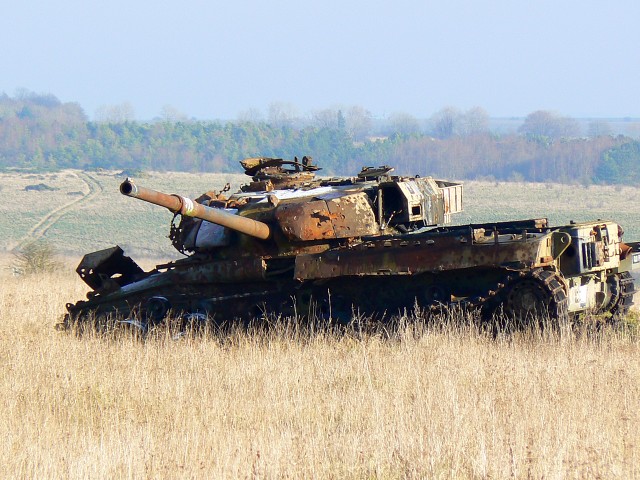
(84, 211)
(80, 211)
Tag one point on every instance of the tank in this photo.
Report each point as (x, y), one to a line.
(376, 244)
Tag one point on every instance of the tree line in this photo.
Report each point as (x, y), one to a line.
(38, 132)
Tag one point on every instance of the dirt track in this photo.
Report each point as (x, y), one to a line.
(93, 188)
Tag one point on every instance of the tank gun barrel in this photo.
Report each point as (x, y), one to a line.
(186, 206)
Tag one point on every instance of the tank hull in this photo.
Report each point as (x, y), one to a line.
(512, 267)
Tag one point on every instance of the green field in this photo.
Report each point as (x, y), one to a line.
(86, 212)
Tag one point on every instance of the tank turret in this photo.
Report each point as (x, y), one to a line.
(286, 203)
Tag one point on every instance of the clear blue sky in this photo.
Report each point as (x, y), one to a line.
(211, 59)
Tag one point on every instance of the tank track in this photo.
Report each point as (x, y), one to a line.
(625, 290)
(522, 296)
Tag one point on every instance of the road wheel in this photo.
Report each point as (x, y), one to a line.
(157, 309)
(437, 295)
(536, 298)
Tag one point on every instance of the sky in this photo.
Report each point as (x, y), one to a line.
(214, 60)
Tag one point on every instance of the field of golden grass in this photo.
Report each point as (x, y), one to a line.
(427, 401)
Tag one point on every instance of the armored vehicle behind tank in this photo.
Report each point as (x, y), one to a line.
(291, 243)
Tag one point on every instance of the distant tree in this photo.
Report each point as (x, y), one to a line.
(26, 113)
(7, 108)
(121, 113)
(171, 114)
(22, 94)
(620, 164)
(450, 121)
(250, 115)
(358, 122)
(70, 114)
(342, 122)
(543, 123)
(474, 121)
(443, 123)
(282, 114)
(404, 124)
(46, 100)
(326, 118)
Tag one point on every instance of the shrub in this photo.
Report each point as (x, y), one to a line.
(35, 257)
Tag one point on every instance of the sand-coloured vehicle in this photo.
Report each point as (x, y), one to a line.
(291, 243)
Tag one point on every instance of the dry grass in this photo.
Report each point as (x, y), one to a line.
(430, 402)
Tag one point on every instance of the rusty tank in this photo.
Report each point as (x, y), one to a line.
(290, 243)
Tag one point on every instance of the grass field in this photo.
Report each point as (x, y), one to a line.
(430, 402)
(426, 401)
(86, 212)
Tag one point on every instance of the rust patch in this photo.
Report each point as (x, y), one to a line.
(396, 256)
(305, 221)
(352, 216)
(343, 217)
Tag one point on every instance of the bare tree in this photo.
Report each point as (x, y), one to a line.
(121, 113)
(358, 121)
(444, 122)
(171, 114)
(404, 123)
(549, 124)
(474, 120)
(282, 114)
(250, 115)
(326, 118)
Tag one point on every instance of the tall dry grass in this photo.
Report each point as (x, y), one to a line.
(428, 402)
